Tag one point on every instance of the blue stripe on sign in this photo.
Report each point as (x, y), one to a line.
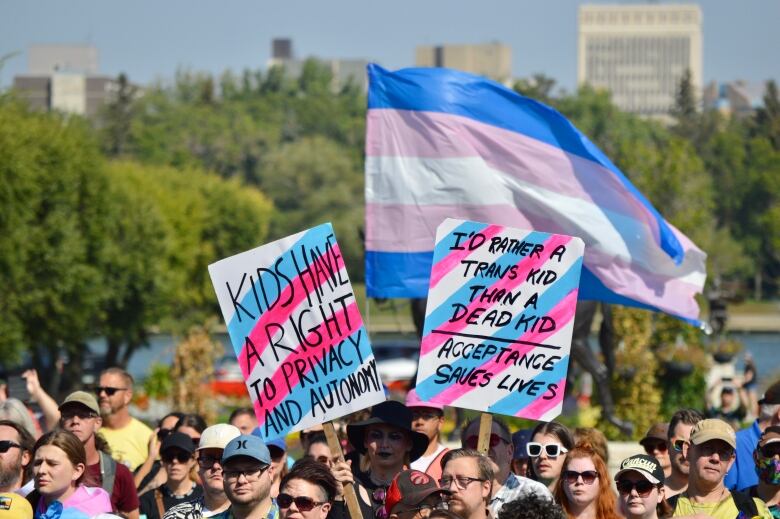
(467, 95)
(398, 274)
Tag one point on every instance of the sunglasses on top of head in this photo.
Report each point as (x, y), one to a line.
(552, 450)
(472, 441)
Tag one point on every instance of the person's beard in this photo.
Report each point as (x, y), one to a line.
(11, 474)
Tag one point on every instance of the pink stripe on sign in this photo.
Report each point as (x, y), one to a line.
(281, 380)
(660, 287)
(402, 133)
(562, 313)
(431, 341)
(278, 315)
(540, 406)
(453, 259)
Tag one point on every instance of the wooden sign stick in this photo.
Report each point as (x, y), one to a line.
(485, 428)
(353, 507)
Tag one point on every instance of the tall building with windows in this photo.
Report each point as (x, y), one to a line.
(493, 60)
(640, 52)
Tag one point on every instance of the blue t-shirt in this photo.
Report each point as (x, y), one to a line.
(743, 473)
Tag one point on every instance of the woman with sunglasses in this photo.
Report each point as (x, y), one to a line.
(641, 489)
(59, 470)
(550, 441)
(307, 491)
(178, 461)
(583, 489)
(388, 444)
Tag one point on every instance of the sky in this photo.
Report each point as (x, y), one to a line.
(150, 39)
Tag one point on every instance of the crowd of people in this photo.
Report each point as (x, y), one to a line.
(88, 457)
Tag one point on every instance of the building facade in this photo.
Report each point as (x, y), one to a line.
(640, 52)
(493, 60)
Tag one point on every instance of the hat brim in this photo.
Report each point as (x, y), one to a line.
(652, 479)
(356, 433)
(707, 436)
(416, 499)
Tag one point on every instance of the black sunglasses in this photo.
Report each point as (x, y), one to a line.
(7, 444)
(108, 390)
(303, 503)
(643, 487)
(181, 457)
(660, 446)
(770, 450)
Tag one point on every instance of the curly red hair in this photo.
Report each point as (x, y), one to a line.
(606, 504)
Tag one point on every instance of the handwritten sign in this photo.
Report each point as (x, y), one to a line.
(499, 320)
(297, 332)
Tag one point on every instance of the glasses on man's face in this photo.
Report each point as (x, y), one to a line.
(643, 487)
(302, 503)
(659, 446)
(571, 476)
(461, 482)
(206, 462)
(251, 474)
(552, 450)
(108, 390)
(472, 441)
(181, 457)
(80, 414)
(770, 450)
(678, 444)
(8, 444)
(724, 452)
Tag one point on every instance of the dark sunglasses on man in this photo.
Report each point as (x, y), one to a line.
(651, 447)
(8, 444)
(110, 391)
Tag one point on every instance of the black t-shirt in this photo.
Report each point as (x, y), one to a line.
(148, 501)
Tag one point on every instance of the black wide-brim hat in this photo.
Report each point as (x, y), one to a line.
(390, 413)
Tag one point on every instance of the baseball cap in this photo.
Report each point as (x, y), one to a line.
(246, 445)
(713, 429)
(770, 435)
(408, 489)
(413, 400)
(657, 432)
(83, 398)
(217, 436)
(178, 440)
(646, 465)
(772, 395)
(14, 506)
(520, 439)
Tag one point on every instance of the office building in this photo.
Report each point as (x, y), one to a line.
(343, 71)
(735, 98)
(492, 60)
(640, 52)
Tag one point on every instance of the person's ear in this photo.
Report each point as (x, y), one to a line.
(511, 450)
(128, 396)
(661, 493)
(325, 509)
(26, 457)
(98, 423)
(486, 488)
(78, 470)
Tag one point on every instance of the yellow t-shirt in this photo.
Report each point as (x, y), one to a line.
(130, 444)
(724, 509)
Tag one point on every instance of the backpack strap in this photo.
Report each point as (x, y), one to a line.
(107, 472)
(745, 503)
(673, 501)
(158, 498)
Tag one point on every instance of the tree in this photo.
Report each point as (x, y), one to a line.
(539, 87)
(767, 119)
(117, 117)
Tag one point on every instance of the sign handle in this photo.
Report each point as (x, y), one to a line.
(350, 497)
(485, 428)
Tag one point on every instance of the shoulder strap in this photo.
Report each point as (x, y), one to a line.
(107, 472)
(673, 501)
(158, 498)
(745, 503)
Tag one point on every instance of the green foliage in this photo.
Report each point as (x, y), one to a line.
(158, 384)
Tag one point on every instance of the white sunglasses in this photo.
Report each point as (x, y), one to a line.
(553, 450)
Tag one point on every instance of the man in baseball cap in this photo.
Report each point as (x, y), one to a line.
(248, 474)
(80, 414)
(428, 419)
(412, 495)
(710, 455)
(212, 443)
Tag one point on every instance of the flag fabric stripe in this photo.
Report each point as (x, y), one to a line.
(474, 97)
(446, 144)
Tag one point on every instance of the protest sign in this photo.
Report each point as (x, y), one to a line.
(499, 320)
(298, 336)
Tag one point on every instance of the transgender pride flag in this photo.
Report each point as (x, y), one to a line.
(446, 144)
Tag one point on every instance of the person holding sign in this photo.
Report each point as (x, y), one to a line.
(427, 418)
(389, 444)
(469, 476)
(506, 486)
(583, 488)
